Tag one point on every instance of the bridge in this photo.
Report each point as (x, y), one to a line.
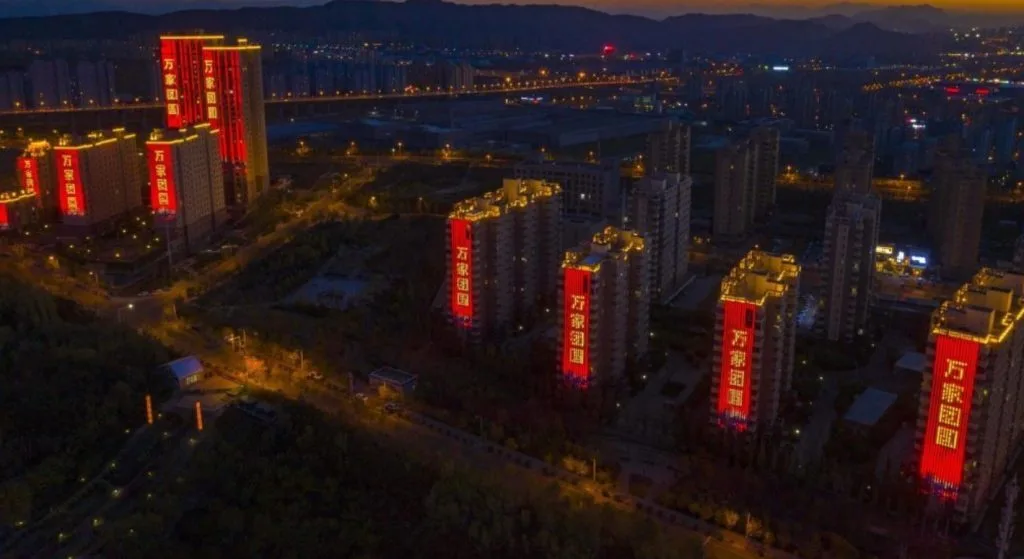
(147, 116)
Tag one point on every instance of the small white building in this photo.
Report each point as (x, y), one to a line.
(187, 371)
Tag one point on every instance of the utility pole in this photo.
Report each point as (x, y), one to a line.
(1006, 521)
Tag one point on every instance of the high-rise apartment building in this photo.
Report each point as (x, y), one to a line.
(503, 256)
(659, 209)
(755, 331)
(605, 308)
(848, 264)
(99, 178)
(765, 142)
(50, 83)
(855, 165)
(181, 69)
(12, 90)
(590, 190)
(668, 150)
(186, 184)
(971, 411)
(734, 200)
(95, 82)
(36, 173)
(233, 81)
(956, 208)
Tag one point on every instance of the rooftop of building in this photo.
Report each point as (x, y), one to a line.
(610, 243)
(393, 376)
(853, 204)
(985, 309)
(514, 193)
(92, 139)
(870, 406)
(36, 148)
(760, 275)
(170, 136)
(16, 196)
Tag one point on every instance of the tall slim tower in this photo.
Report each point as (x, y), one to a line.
(755, 332)
(233, 83)
(971, 410)
(668, 150)
(734, 199)
(186, 184)
(605, 314)
(765, 141)
(181, 68)
(659, 210)
(956, 208)
(848, 265)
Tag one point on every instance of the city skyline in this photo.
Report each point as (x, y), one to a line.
(650, 8)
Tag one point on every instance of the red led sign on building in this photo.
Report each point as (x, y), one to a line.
(180, 61)
(71, 196)
(28, 168)
(5, 220)
(949, 412)
(576, 327)
(210, 91)
(222, 75)
(737, 356)
(462, 271)
(162, 189)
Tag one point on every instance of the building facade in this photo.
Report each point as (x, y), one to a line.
(589, 190)
(735, 167)
(755, 332)
(502, 256)
(659, 209)
(848, 264)
(605, 309)
(181, 69)
(765, 142)
(971, 409)
(36, 173)
(956, 208)
(233, 81)
(668, 150)
(855, 164)
(186, 184)
(99, 179)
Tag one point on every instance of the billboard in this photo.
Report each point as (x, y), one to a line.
(576, 327)
(163, 196)
(733, 404)
(28, 172)
(949, 412)
(70, 190)
(461, 304)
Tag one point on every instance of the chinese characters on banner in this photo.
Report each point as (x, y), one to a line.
(953, 372)
(462, 271)
(5, 221)
(162, 195)
(576, 327)
(170, 74)
(210, 90)
(737, 354)
(28, 167)
(69, 180)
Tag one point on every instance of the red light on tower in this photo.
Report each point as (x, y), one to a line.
(162, 189)
(576, 327)
(949, 412)
(737, 354)
(71, 196)
(608, 50)
(462, 271)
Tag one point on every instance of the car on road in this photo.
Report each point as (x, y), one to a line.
(392, 407)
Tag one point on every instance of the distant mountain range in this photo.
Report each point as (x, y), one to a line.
(533, 27)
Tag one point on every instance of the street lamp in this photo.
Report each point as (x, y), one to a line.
(129, 306)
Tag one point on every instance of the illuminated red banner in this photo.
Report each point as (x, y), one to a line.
(949, 412)
(71, 196)
(28, 169)
(462, 271)
(737, 356)
(163, 195)
(5, 220)
(181, 62)
(170, 71)
(210, 90)
(576, 327)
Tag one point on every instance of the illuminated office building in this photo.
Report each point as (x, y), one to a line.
(971, 409)
(233, 84)
(186, 184)
(503, 256)
(181, 72)
(604, 308)
(99, 178)
(755, 331)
